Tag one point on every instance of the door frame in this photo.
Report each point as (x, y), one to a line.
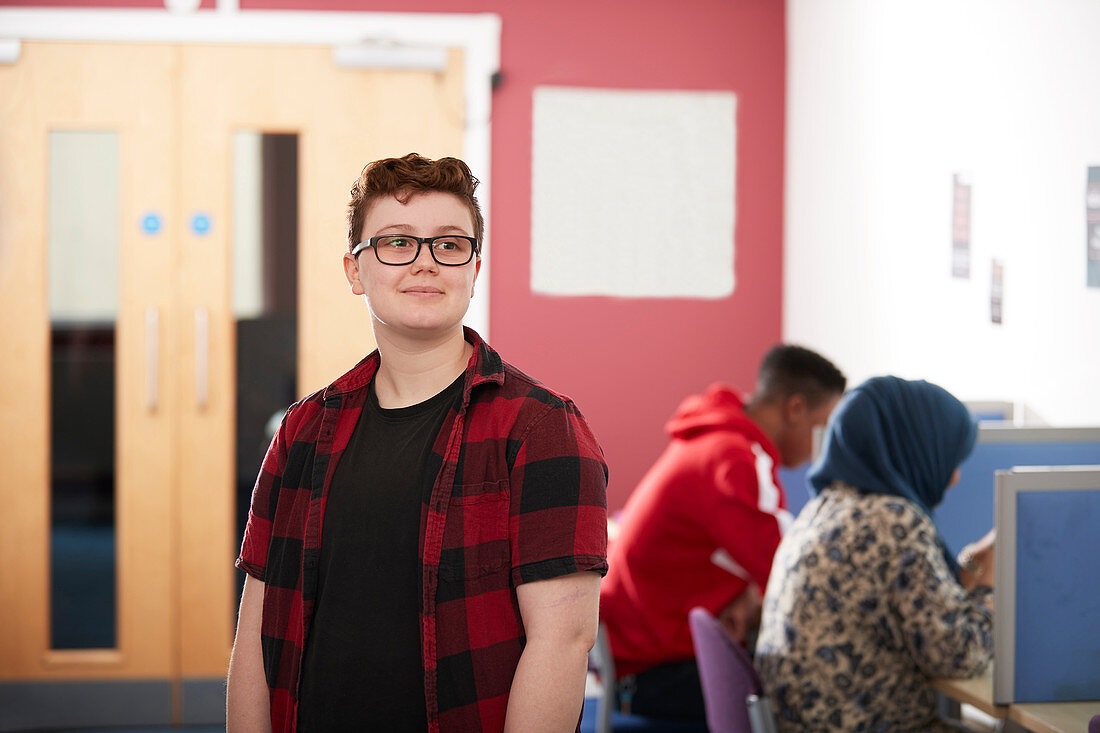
(477, 34)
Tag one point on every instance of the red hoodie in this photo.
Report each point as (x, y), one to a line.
(704, 520)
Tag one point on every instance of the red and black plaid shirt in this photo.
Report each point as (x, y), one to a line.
(518, 494)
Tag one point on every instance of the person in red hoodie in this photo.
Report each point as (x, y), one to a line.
(702, 526)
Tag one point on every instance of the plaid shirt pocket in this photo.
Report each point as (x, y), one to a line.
(475, 540)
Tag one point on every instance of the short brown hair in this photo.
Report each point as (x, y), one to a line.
(788, 369)
(402, 178)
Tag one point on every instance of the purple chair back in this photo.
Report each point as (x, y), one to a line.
(1094, 724)
(725, 672)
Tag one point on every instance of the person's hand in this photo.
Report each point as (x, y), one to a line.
(976, 562)
(742, 616)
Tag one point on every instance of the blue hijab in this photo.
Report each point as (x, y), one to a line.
(897, 437)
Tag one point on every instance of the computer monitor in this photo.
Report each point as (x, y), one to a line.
(1047, 585)
(991, 410)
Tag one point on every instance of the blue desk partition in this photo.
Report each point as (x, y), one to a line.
(1047, 581)
(795, 486)
(967, 510)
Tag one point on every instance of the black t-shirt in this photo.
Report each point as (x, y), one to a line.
(362, 667)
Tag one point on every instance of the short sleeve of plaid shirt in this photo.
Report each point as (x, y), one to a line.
(558, 513)
(254, 548)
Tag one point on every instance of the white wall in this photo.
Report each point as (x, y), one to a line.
(886, 100)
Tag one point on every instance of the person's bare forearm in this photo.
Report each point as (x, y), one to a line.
(548, 688)
(247, 699)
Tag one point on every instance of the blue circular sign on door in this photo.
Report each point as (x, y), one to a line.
(200, 223)
(151, 223)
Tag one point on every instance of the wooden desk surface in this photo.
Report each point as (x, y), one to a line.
(976, 691)
(1054, 717)
(1044, 717)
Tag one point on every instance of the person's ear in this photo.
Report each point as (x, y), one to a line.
(351, 272)
(477, 271)
(795, 408)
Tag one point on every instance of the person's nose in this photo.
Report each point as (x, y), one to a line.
(424, 259)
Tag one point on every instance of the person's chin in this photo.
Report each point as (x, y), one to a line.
(428, 327)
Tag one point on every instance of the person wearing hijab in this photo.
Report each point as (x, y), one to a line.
(865, 604)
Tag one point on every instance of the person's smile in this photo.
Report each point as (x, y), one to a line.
(422, 291)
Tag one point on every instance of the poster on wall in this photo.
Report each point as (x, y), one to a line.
(586, 243)
(996, 292)
(1092, 227)
(960, 226)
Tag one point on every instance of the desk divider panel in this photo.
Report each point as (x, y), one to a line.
(967, 509)
(1047, 585)
(796, 486)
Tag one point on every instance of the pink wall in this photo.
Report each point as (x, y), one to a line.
(628, 362)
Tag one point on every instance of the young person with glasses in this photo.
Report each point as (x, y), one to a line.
(427, 533)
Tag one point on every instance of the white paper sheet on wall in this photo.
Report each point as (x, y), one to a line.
(633, 193)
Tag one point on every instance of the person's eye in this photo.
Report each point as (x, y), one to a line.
(398, 243)
(448, 245)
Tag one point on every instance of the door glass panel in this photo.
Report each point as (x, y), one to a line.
(265, 297)
(83, 305)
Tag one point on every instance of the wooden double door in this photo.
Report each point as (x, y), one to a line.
(172, 220)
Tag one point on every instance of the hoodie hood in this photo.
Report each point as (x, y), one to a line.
(719, 408)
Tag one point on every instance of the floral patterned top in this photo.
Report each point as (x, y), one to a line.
(860, 611)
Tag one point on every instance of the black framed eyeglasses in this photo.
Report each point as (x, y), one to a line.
(452, 250)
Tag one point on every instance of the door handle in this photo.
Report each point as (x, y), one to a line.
(202, 358)
(152, 355)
